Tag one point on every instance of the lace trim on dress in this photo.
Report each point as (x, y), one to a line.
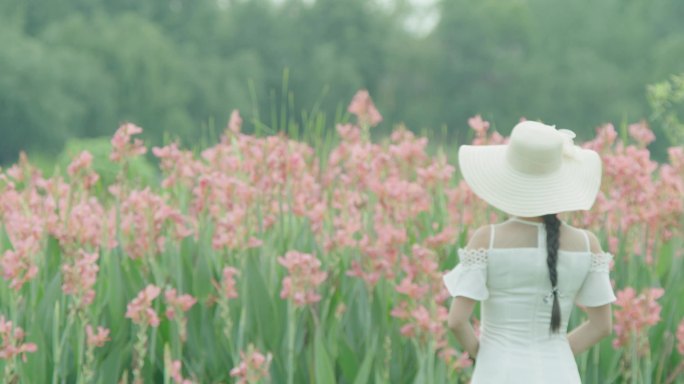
(600, 262)
(473, 258)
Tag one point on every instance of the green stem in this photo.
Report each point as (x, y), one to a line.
(228, 327)
(55, 339)
(10, 374)
(647, 372)
(140, 350)
(430, 362)
(88, 371)
(57, 373)
(81, 343)
(634, 358)
(290, 342)
(673, 375)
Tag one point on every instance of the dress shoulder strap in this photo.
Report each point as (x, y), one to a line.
(586, 240)
(541, 237)
(491, 236)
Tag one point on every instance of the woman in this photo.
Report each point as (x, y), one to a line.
(529, 270)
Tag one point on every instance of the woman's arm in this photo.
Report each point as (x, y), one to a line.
(462, 307)
(591, 331)
(600, 321)
(459, 323)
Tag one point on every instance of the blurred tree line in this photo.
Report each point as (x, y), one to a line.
(78, 68)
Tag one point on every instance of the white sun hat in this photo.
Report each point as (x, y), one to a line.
(540, 171)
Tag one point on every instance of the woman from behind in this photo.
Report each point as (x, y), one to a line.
(532, 269)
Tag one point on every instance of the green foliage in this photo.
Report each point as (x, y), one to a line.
(667, 101)
(43, 88)
(78, 68)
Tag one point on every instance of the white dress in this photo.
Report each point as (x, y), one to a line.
(516, 345)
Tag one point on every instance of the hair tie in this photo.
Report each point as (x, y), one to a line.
(554, 292)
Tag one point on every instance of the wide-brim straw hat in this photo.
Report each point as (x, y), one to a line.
(540, 171)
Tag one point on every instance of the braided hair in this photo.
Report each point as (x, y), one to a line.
(552, 226)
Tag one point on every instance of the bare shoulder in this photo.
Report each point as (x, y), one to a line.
(480, 238)
(594, 243)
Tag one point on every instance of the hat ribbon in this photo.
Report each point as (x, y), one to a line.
(570, 150)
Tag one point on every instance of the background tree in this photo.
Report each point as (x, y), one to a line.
(77, 68)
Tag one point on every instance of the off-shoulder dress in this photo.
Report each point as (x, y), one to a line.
(513, 286)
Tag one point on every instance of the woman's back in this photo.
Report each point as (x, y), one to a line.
(506, 268)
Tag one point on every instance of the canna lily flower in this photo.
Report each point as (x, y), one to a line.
(79, 277)
(177, 304)
(304, 277)
(253, 367)
(140, 309)
(122, 147)
(97, 339)
(12, 338)
(362, 106)
(635, 316)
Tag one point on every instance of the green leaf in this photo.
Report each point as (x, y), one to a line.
(347, 360)
(324, 372)
(261, 306)
(364, 372)
(202, 276)
(664, 261)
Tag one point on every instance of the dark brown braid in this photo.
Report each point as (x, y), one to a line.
(552, 225)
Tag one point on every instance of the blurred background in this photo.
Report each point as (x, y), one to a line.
(78, 68)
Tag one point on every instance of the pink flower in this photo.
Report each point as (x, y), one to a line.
(641, 133)
(122, 148)
(18, 266)
(12, 341)
(349, 132)
(97, 339)
(175, 306)
(455, 360)
(407, 287)
(81, 167)
(83, 225)
(235, 122)
(676, 155)
(79, 277)
(635, 315)
(479, 125)
(422, 318)
(176, 373)
(253, 367)
(227, 286)
(638, 195)
(177, 303)
(140, 309)
(680, 338)
(446, 236)
(362, 106)
(439, 172)
(605, 138)
(82, 162)
(178, 166)
(144, 218)
(304, 277)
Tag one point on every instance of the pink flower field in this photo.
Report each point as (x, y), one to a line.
(263, 259)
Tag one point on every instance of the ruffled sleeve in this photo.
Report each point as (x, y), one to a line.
(469, 277)
(596, 289)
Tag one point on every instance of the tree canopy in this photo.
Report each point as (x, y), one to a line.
(78, 68)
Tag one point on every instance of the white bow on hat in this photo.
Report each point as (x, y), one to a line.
(570, 150)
